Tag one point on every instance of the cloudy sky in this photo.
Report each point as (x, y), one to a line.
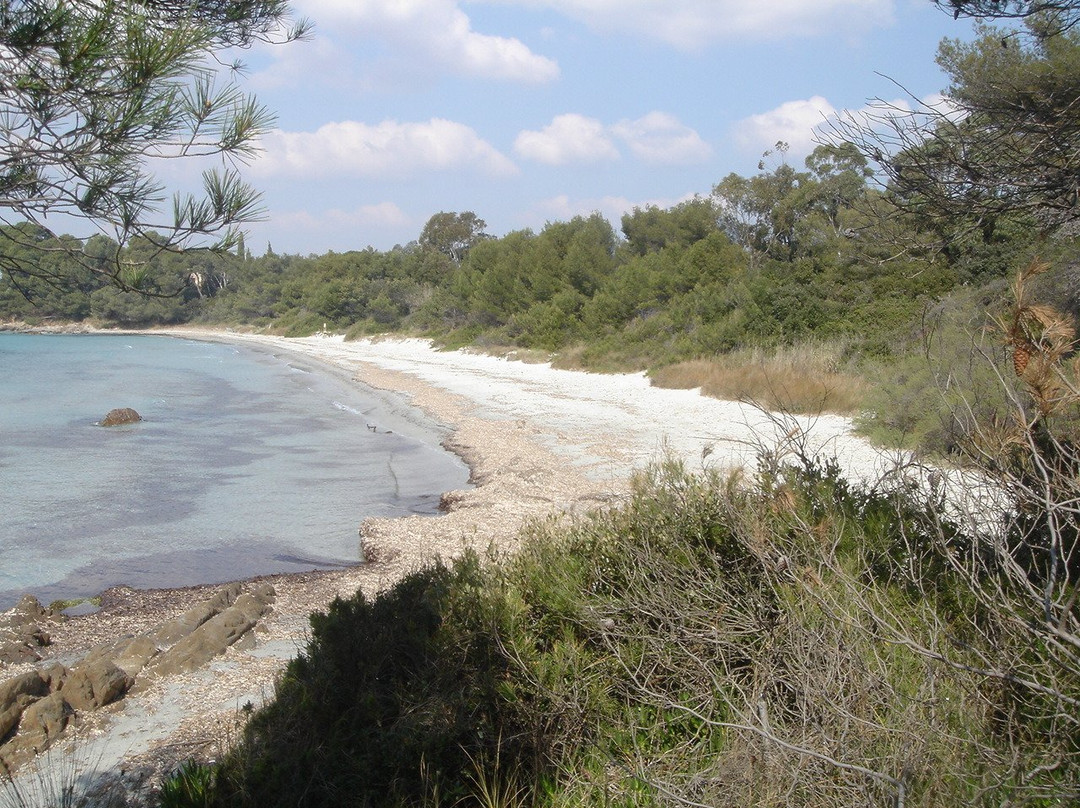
(528, 111)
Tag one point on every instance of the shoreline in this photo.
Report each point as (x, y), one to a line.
(537, 441)
(174, 719)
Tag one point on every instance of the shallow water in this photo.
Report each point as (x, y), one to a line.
(246, 463)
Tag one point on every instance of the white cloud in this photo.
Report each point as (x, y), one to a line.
(432, 33)
(295, 63)
(378, 217)
(655, 138)
(387, 149)
(793, 122)
(692, 24)
(567, 139)
(660, 138)
(562, 208)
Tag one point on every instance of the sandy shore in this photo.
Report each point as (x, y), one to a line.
(538, 441)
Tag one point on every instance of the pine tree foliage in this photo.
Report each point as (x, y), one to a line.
(1002, 144)
(93, 93)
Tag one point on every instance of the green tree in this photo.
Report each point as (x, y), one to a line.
(840, 174)
(453, 234)
(1065, 12)
(94, 90)
(1003, 147)
(650, 228)
(762, 213)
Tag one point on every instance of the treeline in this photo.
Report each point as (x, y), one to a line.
(767, 260)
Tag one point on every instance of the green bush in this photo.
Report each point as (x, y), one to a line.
(192, 786)
(791, 638)
(953, 377)
(392, 699)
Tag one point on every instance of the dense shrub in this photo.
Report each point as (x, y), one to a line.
(788, 639)
(390, 702)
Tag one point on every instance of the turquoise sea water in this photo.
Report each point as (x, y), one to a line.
(246, 463)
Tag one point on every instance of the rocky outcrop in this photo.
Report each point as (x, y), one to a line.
(40, 725)
(23, 631)
(36, 706)
(93, 683)
(222, 630)
(119, 416)
(16, 694)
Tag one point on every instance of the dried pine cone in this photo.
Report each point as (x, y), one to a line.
(1021, 357)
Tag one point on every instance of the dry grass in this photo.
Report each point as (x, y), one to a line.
(530, 356)
(804, 378)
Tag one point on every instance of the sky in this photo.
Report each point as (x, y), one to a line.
(531, 111)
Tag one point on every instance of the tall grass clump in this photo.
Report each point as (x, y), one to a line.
(807, 378)
(62, 778)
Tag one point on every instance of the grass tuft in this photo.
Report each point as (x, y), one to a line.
(805, 378)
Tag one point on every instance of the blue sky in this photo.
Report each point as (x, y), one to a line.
(528, 111)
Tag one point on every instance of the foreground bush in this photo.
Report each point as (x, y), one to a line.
(791, 640)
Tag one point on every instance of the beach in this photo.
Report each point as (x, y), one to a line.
(539, 442)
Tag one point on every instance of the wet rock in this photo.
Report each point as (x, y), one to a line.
(119, 416)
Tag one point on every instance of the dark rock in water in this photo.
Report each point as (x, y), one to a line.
(121, 415)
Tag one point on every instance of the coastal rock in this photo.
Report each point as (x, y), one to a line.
(119, 416)
(16, 694)
(27, 610)
(172, 631)
(133, 655)
(35, 707)
(93, 684)
(41, 723)
(22, 631)
(217, 634)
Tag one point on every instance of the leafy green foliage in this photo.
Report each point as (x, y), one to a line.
(192, 786)
(453, 234)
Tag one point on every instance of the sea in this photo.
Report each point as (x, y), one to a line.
(247, 462)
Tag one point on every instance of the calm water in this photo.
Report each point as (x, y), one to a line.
(246, 463)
